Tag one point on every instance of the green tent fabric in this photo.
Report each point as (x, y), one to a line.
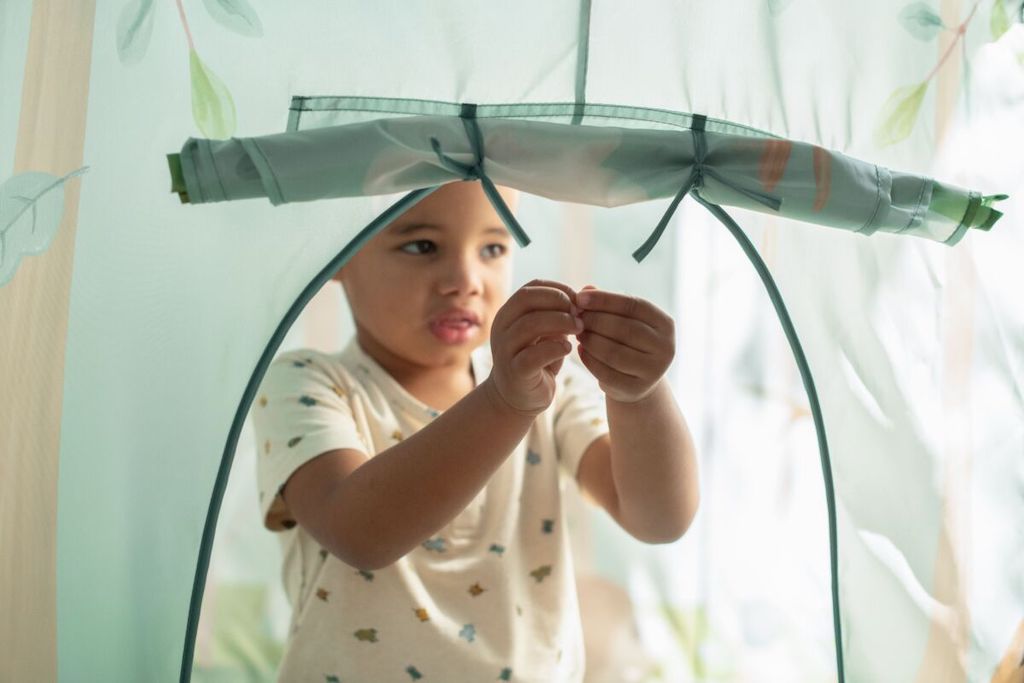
(606, 166)
(136, 324)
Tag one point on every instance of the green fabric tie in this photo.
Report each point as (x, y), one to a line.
(475, 171)
(694, 182)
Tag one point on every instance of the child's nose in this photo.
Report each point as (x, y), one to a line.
(461, 275)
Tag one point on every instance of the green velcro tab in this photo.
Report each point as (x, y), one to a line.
(177, 177)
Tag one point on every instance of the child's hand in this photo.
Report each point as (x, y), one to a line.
(529, 341)
(627, 343)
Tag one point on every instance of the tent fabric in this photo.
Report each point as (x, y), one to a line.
(604, 166)
(132, 342)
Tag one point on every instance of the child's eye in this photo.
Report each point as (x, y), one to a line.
(501, 249)
(418, 247)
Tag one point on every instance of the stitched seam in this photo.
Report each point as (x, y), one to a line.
(878, 199)
(917, 209)
(568, 106)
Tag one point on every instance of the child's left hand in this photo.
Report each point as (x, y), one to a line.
(627, 343)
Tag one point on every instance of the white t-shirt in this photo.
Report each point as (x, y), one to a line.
(489, 597)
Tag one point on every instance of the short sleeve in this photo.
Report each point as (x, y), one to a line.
(300, 412)
(580, 414)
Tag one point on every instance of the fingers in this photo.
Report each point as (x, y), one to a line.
(592, 299)
(536, 295)
(628, 331)
(539, 324)
(534, 358)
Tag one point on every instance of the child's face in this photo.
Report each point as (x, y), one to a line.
(424, 290)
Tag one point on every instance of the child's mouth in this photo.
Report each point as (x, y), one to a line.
(453, 331)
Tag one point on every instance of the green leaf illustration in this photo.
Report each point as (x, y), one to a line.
(900, 113)
(921, 21)
(31, 207)
(212, 106)
(134, 27)
(999, 20)
(236, 15)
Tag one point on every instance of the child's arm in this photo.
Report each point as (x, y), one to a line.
(645, 471)
(371, 511)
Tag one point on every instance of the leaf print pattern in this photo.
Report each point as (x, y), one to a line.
(134, 28)
(263, 401)
(541, 573)
(999, 20)
(365, 574)
(421, 614)
(505, 675)
(468, 632)
(497, 549)
(899, 113)
(322, 593)
(31, 209)
(266, 446)
(213, 108)
(293, 441)
(413, 673)
(435, 544)
(532, 457)
(235, 15)
(366, 635)
(331, 679)
(921, 21)
(547, 526)
(396, 435)
(476, 589)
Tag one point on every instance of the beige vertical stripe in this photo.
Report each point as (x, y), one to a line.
(945, 653)
(34, 311)
(322, 319)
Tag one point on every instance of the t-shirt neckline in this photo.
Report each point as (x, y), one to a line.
(362, 359)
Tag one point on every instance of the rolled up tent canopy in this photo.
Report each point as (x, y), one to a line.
(602, 165)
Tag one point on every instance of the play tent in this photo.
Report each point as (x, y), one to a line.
(869, 149)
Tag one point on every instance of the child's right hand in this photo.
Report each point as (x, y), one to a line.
(529, 341)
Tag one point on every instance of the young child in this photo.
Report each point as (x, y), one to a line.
(414, 475)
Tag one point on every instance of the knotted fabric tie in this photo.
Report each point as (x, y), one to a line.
(475, 171)
(694, 182)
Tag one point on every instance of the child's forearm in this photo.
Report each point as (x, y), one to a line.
(404, 494)
(654, 466)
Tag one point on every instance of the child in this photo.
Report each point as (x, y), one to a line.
(414, 475)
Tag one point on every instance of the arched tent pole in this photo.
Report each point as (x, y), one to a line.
(812, 395)
(221, 482)
(692, 186)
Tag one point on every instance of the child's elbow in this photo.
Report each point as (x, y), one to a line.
(366, 559)
(670, 529)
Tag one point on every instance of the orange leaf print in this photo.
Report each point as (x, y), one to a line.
(774, 157)
(822, 177)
